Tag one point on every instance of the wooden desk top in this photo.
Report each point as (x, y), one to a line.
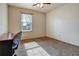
(6, 37)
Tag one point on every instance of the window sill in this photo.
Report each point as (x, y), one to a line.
(26, 30)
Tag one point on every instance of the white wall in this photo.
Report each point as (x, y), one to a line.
(3, 18)
(38, 21)
(63, 23)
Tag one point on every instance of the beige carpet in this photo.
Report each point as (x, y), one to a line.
(49, 47)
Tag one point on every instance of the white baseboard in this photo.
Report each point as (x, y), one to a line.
(62, 40)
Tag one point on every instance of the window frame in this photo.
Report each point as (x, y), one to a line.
(21, 22)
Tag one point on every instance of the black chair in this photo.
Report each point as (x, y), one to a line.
(16, 41)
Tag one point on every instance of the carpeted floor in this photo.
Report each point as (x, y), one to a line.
(46, 47)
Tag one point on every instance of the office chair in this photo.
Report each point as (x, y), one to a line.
(16, 41)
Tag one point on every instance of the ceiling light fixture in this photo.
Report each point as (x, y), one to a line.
(41, 5)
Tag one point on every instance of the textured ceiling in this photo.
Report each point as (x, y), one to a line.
(29, 6)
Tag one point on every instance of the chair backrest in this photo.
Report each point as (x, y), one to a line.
(16, 40)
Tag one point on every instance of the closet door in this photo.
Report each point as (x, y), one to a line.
(3, 18)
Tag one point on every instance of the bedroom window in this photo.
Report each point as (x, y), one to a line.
(26, 22)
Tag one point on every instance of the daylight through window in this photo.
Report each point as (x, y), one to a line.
(26, 22)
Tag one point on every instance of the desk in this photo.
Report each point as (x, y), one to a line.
(5, 45)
